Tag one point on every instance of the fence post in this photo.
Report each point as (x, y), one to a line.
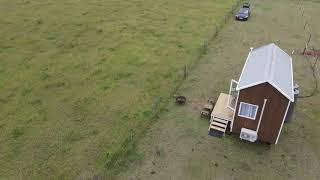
(307, 44)
(305, 25)
(309, 40)
(304, 50)
(131, 134)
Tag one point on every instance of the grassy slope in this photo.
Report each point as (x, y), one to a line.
(178, 147)
(76, 76)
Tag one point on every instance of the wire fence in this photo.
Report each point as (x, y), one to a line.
(159, 103)
(309, 51)
(214, 33)
(203, 49)
(309, 43)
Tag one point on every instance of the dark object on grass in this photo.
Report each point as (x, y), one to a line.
(152, 172)
(215, 133)
(292, 104)
(181, 99)
(244, 12)
(207, 109)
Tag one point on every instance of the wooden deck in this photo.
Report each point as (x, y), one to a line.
(221, 115)
(221, 110)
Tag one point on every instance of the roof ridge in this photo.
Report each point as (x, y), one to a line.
(268, 71)
(270, 64)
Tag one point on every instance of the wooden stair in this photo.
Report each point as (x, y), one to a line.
(218, 124)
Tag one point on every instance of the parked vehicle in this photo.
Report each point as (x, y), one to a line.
(244, 12)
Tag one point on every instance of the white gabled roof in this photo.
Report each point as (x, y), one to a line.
(269, 64)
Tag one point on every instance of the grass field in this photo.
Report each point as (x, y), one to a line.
(178, 147)
(77, 78)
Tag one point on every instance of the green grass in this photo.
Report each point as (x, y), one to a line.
(78, 77)
(188, 151)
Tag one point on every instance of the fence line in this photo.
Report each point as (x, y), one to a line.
(196, 57)
(216, 29)
(127, 147)
(309, 45)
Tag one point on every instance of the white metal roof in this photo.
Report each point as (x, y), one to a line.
(269, 64)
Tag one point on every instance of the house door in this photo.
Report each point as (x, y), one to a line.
(233, 95)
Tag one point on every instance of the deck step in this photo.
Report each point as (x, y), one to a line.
(222, 125)
(218, 124)
(220, 120)
(217, 128)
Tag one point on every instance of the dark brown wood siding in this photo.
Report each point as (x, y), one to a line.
(273, 114)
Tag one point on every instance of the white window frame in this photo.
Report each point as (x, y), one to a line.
(248, 116)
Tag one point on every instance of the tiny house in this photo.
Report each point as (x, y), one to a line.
(257, 104)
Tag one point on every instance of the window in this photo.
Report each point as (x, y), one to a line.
(248, 110)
